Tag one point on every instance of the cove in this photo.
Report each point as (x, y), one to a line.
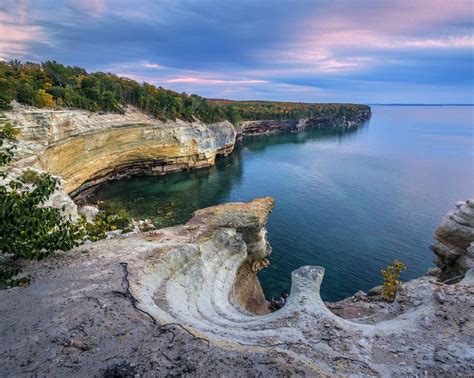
(348, 200)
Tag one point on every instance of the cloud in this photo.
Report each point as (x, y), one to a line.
(151, 65)
(95, 8)
(311, 50)
(18, 33)
(202, 80)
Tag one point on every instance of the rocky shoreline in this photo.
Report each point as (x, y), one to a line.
(298, 125)
(185, 300)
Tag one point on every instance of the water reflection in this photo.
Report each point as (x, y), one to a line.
(171, 199)
(262, 142)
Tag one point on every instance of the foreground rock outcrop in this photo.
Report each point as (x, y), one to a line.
(455, 247)
(185, 300)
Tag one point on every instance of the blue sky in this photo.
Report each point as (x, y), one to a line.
(369, 51)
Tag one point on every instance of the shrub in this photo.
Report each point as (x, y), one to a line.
(27, 228)
(391, 279)
(7, 147)
(103, 223)
(121, 218)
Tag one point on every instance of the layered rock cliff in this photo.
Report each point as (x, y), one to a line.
(185, 301)
(297, 125)
(86, 149)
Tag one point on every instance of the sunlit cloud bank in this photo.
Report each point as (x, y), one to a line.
(364, 51)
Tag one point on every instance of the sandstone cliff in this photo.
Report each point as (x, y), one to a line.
(297, 125)
(86, 149)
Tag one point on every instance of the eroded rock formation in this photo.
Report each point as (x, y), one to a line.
(455, 247)
(185, 300)
(86, 148)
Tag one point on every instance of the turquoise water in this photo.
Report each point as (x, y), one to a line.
(349, 201)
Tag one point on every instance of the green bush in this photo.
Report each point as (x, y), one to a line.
(28, 229)
(109, 218)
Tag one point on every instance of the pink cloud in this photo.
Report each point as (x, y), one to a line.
(339, 41)
(16, 33)
(453, 42)
(202, 80)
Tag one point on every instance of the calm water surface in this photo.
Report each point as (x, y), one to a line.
(349, 201)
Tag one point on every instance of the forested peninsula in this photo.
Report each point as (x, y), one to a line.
(56, 86)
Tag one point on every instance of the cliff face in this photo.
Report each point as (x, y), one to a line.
(296, 125)
(185, 301)
(86, 149)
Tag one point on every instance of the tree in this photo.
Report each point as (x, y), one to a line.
(44, 99)
(7, 92)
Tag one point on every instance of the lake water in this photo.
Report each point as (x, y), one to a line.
(349, 201)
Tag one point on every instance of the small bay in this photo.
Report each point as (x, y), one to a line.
(351, 201)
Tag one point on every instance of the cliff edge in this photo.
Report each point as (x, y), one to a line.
(185, 300)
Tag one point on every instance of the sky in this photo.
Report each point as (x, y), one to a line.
(365, 51)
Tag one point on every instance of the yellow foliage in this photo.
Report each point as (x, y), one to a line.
(59, 103)
(45, 100)
(391, 279)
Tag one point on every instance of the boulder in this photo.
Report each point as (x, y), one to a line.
(455, 247)
(89, 212)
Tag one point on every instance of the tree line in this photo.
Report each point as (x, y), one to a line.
(54, 85)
